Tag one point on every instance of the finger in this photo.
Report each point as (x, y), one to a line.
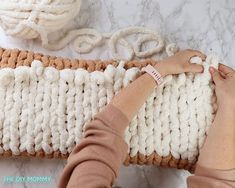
(222, 74)
(193, 67)
(217, 78)
(198, 53)
(225, 69)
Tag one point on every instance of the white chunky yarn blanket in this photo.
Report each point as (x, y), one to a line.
(46, 108)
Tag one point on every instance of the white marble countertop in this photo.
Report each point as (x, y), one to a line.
(206, 25)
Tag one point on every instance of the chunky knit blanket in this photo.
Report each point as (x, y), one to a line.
(45, 103)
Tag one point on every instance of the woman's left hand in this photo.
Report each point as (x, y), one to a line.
(180, 63)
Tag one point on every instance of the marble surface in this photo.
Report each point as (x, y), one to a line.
(206, 25)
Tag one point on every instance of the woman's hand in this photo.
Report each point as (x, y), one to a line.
(218, 150)
(224, 79)
(180, 63)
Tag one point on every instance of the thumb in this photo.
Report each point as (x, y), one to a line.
(193, 67)
(217, 78)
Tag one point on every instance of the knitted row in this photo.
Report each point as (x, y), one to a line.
(46, 108)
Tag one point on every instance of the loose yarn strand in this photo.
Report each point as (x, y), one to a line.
(39, 19)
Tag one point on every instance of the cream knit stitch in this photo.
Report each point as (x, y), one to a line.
(46, 108)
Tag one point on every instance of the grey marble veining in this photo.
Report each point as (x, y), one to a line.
(206, 25)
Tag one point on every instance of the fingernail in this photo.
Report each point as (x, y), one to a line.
(212, 69)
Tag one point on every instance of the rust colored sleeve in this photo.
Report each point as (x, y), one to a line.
(96, 160)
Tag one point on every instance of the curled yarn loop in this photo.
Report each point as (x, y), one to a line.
(148, 35)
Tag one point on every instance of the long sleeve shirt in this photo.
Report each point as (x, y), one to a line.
(95, 161)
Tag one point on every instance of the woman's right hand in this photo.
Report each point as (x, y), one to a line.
(218, 150)
(224, 79)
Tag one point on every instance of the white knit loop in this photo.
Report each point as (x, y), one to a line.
(55, 141)
(23, 77)
(61, 111)
(150, 125)
(37, 67)
(97, 77)
(8, 106)
(174, 121)
(67, 75)
(80, 76)
(39, 116)
(167, 79)
(47, 109)
(130, 75)
(164, 117)
(86, 103)
(31, 111)
(196, 60)
(2, 104)
(118, 78)
(51, 74)
(15, 112)
(46, 128)
(22, 74)
(70, 111)
(213, 60)
(109, 74)
(6, 76)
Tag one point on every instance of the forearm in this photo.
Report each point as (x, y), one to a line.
(95, 161)
(102, 149)
(130, 99)
(220, 142)
(216, 163)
